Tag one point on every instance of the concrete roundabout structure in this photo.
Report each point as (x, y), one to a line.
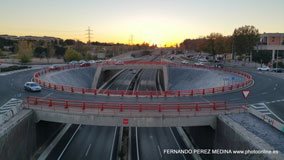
(196, 80)
(189, 112)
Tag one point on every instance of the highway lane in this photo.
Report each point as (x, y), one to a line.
(90, 142)
(153, 141)
(147, 80)
(123, 81)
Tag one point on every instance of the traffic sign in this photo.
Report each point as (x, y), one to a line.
(246, 93)
(125, 121)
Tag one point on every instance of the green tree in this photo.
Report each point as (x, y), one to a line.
(25, 51)
(1, 53)
(40, 52)
(244, 39)
(50, 52)
(71, 55)
(59, 51)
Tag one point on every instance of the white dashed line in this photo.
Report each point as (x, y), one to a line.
(88, 150)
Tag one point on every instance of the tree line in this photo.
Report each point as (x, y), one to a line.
(241, 43)
(68, 49)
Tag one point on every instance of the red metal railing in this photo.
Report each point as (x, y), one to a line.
(60, 87)
(59, 104)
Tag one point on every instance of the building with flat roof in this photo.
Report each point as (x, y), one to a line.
(273, 42)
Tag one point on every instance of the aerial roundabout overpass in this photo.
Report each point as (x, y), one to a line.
(145, 108)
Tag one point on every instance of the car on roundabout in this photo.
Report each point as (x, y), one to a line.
(184, 62)
(263, 68)
(54, 67)
(32, 87)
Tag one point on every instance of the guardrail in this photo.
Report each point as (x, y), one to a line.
(59, 104)
(177, 93)
(133, 109)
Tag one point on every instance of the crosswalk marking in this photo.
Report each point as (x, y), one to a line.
(262, 108)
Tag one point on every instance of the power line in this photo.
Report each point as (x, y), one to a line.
(89, 33)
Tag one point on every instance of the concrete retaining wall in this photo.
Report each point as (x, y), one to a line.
(18, 137)
(21, 137)
(230, 135)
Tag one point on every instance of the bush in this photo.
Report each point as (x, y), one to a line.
(71, 55)
(12, 68)
(280, 65)
(25, 58)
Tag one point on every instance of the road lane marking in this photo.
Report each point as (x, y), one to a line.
(68, 143)
(176, 141)
(267, 111)
(113, 141)
(49, 94)
(261, 107)
(88, 150)
(159, 149)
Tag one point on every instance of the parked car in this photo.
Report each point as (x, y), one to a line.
(219, 65)
(202, 60)
(87, 64)
(277, 70)
(92, 61)
(199, 63)
(264, 68)
(82, 61)
(32, 87)
(73, 62)
(184, 62)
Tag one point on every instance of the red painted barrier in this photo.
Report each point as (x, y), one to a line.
(248, 80)
(56, 104)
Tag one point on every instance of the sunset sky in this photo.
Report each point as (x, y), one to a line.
(153, 21)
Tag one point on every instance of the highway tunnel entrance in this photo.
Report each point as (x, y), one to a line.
(132, 78)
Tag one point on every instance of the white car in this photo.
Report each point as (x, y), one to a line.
(73, 62)
(92, 61)
(32, 87)
(184, 62)
(199, 64)
(82, 61)
(264, 68)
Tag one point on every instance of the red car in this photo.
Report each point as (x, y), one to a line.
(85, 64)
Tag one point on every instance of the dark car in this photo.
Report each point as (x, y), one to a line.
(219, 65)
(277, 70)
(54, 67)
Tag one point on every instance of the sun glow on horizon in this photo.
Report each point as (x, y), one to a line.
(161, 22)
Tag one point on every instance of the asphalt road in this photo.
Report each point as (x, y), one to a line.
(153, 141)
(122, 81)
(147, 80)
(90, 142)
